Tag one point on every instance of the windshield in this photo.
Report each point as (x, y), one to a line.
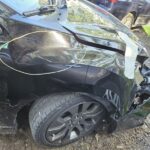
(85, 17)
(80, 16)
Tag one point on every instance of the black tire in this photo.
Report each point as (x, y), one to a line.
(128, 20)
(48, 113)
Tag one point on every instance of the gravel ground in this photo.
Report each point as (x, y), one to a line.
(134, 139)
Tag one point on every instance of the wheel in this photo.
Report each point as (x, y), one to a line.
(58, 120)
(128, 20)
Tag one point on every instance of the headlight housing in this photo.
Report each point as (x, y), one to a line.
(143, 55)
(147, 63)
(143, 51)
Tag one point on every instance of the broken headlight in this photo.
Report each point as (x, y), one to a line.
(143, 56)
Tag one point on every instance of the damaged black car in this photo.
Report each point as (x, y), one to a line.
(71, 68)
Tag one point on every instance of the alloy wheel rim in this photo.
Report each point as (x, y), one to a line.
(74, 122)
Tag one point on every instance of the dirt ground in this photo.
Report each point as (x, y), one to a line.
(134, 139)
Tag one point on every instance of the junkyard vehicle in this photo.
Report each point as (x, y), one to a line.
(72, 68)
(131, 12)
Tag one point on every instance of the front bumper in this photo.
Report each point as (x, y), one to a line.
(135, 118)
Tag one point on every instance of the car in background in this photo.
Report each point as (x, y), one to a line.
(130, 12)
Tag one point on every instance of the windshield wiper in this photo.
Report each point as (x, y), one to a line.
(41, 11)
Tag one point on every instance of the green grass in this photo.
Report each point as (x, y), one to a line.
(147, 29)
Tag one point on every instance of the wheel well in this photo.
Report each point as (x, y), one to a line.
(23, 117)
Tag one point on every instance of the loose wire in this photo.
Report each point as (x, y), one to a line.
(31, 74)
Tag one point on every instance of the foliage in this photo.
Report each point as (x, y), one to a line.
(147, 29)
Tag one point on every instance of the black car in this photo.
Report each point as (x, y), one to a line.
(69, 68)
(131, 12)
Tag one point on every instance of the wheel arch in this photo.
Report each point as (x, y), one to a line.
(22, 119)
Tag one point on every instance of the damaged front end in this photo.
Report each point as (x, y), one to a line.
(140, 107)
(78, 47)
